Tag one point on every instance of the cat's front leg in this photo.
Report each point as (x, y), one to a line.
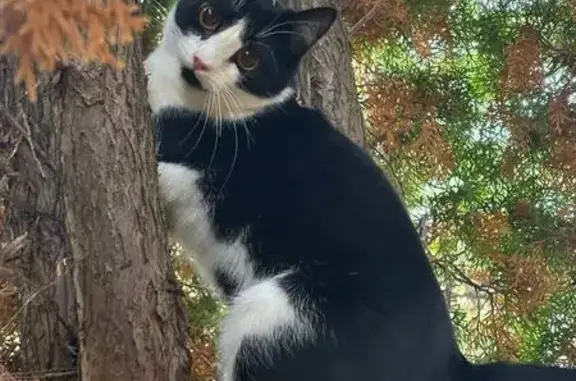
(186, 212)
(223, 264)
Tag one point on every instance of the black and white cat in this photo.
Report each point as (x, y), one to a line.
(291, 222)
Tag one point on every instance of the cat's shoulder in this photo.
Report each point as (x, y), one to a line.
(308, 124)
(292, 112)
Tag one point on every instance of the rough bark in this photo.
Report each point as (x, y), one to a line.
(34, 209)
(326, 79)
(86, 193)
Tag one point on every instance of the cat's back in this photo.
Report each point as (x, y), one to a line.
(305, 146)
(309, 168)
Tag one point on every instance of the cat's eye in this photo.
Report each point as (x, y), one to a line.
(247, 59)
(208, 18)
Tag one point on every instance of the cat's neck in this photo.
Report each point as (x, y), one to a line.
(188, 137)
(167, 89)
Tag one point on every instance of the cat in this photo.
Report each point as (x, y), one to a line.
(290, 222)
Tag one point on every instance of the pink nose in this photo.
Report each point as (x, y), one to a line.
(198, 64)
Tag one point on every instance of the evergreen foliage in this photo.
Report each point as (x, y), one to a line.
(472, 110)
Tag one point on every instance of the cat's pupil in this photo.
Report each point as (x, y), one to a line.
(208, 18)
(247, 59)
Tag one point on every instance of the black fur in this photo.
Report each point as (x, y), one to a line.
(316, 201)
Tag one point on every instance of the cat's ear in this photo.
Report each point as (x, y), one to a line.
(309, 26)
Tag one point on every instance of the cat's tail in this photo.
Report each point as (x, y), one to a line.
(520, 372)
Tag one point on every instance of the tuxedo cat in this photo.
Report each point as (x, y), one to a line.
(289, 221)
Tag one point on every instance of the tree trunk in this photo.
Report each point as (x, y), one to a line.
(326, 79)
(84, 188)
(34, 209)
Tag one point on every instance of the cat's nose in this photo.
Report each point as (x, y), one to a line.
(198, 64)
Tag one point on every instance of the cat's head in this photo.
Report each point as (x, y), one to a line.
(242, 54)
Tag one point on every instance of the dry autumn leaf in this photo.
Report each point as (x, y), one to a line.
(42, 33)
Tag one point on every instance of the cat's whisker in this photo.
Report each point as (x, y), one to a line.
(239, 4)
(227, 92)
(235, 101)
(217, 134)
(187, 136)
(263, 33)
(178, 32)
(234, 98)
(225, 97)
(234, 158)
(220, 114)
(213, 83)
(206, 116)
(217, 115)
(271, 52)
(267, 28)
(230, 96)
(284, 32)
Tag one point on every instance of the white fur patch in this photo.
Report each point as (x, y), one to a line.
(263, 313)
(222, 99)
(188, 219)
(217, 49)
